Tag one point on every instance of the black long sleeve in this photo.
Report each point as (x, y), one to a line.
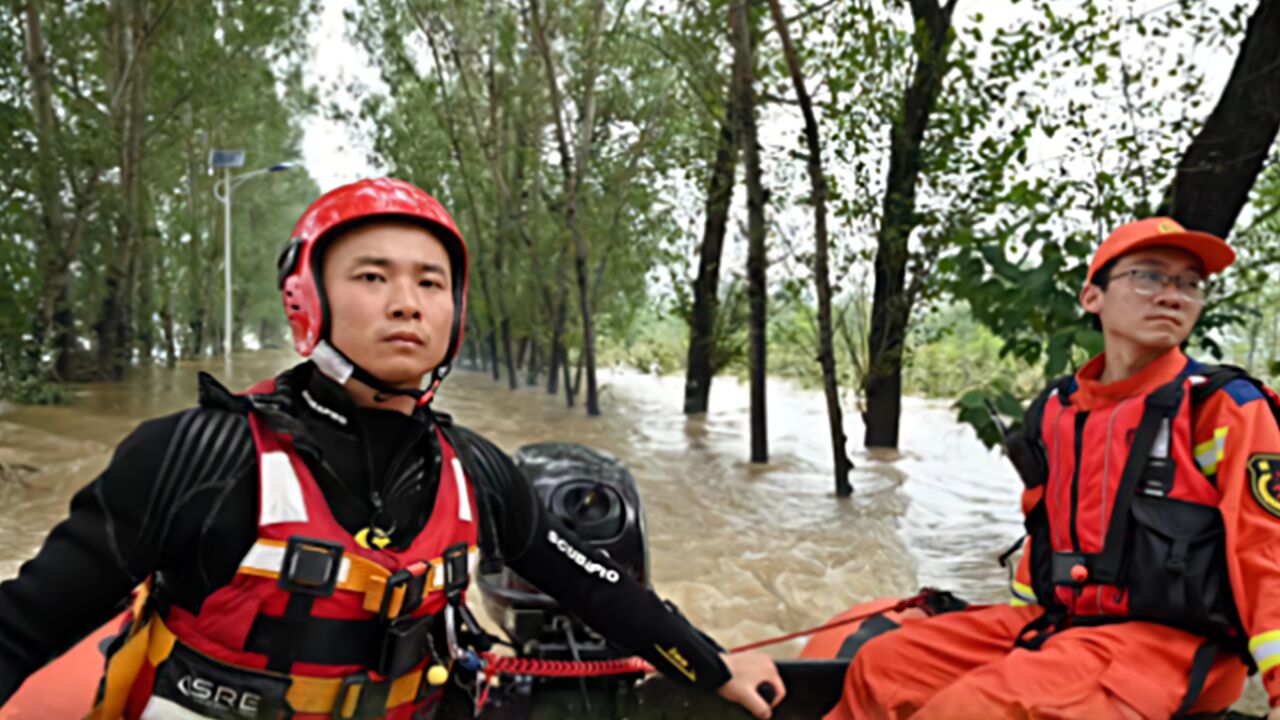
(144, 511)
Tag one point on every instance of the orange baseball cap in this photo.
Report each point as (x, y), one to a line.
(1212, 250)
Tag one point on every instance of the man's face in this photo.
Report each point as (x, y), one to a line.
(390, 300)
(1159, 321)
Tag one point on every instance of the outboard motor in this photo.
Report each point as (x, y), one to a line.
(597, 498)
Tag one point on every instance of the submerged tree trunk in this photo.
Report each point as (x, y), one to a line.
(744, 77)
(473, 357)
(558, 352)
(195, 274)
(570, 392)
(452, 127)
(826, 351)
(573, 167)
(553, 369)
(53, 326)
(142, 278)
(129, 74)
(577, 374)
(492, 342)
(701, 365)
(535, 358)
(169, 327)
(506, 351)
(891, 303)
(1222, 163)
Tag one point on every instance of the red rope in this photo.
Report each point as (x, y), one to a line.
(914, 601)
(507, 665)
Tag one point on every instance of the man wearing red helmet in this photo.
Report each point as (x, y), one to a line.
(306, 546)
(1149, 582)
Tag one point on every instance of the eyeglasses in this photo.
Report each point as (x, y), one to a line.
(1150, 282)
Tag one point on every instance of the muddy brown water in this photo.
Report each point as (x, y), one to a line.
(746, 551)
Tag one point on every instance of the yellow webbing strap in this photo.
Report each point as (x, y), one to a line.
(318, 695)
(362, 575)
(125, 664)
(306, 694)
(359, 574)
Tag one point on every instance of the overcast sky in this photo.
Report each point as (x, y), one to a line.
(335, 154)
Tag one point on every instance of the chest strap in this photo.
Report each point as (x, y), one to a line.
(388, 649)
(319, 567)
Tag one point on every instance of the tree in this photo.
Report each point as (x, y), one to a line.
(742, 28)
(129, 31)
(1222, 163)
(472, 77)
(891, 304)
(818, 180)
(702, 365)
(1020, 253)
(115, 180)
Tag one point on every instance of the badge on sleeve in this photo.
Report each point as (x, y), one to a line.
(1264, 481)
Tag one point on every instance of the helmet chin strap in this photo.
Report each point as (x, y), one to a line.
(339, 368)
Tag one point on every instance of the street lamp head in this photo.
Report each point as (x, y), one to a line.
(282, 166)
(226, 158)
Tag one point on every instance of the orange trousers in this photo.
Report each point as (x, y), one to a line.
(965, 665)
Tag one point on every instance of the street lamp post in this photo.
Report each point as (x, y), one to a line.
(227, 159)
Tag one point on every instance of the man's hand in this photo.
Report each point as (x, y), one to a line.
(749, 670)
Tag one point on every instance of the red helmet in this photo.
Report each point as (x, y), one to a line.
(300, 277)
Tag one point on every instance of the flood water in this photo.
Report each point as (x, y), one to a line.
(746, 551)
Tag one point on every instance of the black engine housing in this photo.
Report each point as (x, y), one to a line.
(596, 497)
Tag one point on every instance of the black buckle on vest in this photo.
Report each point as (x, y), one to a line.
(1035, 633)
(456, 571)
(311, 566)
(414, 580)
(371, 700)
(1062, 564)
(405, 644)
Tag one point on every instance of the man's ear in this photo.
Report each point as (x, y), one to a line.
(1091, 297)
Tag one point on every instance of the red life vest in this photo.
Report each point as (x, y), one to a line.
(1126, 525)
(312, 624)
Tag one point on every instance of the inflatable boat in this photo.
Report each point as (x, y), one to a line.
(595, 495)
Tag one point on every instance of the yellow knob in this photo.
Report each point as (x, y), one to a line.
(437, 675)
(373, 538)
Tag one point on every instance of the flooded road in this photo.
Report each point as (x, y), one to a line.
(746, 551)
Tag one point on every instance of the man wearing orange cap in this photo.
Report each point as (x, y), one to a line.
(1149, 582)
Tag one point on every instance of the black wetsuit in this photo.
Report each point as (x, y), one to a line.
(179, 502)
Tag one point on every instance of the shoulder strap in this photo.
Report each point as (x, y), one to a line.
(213, 395)
(1034, 415)
(1216, 377)
(490, 550)
(270, 399)
(1024, 447)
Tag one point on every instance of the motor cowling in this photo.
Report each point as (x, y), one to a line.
(596, 498)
